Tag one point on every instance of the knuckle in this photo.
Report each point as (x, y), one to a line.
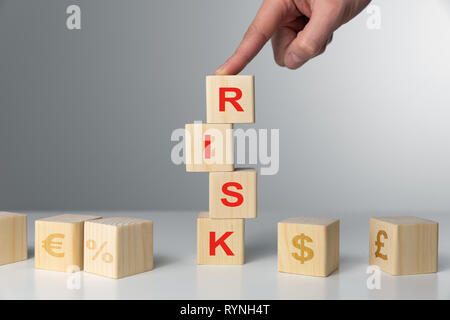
(338, 8)
(309, 48)
(255, 29)
(337, 5)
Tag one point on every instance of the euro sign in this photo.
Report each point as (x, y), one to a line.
(380, 245)
(50, 245)
(306, 253)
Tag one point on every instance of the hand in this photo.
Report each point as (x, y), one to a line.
(299, 29)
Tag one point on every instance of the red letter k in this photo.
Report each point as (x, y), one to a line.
(213, 244)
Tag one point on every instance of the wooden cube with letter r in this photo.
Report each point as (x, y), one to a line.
(308, 246)
(230, 99)
(118, 247)
(404, 245)
(219, 241)
(13, 237)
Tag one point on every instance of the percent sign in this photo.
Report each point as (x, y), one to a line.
(106, 257)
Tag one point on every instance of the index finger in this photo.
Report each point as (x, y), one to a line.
(262, 28)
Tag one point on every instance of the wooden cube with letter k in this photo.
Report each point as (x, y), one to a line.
(308, 246)
(219, 241)
(404, 245)
(233, 194)
(230, 99)
(209, 147)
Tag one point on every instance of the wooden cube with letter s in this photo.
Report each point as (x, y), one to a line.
(308, 246)
(219, 241)
(404, 245)
(233, 194)
(230, 99)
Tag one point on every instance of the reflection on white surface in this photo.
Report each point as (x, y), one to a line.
(219, 282)
(407, 287)
(177, 276)
(299, 287)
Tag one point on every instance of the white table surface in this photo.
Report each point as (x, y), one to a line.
(176, 275)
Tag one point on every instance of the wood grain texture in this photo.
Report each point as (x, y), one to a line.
(220, 156)
(233, 194)
(244, 113)
(13, 237)
(235, 242)
(118, 247)
(308, 246)
(404, 245)
(59, 242)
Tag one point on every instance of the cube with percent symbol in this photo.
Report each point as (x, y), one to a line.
(59, 242)
(308, 246)
(233, 194)
(209, 147)
(118, 247)
(219, 241)
(13, 237)
(230, 99)
(404, 245)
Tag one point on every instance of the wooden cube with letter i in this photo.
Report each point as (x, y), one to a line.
(308, 246)
(404, 245)
(230, 99)
(13, 237)
(59, 242)
(233, 194)
(219, 241)
(118, 247)
(209, 147)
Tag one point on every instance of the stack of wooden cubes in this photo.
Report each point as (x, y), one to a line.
(210, 148)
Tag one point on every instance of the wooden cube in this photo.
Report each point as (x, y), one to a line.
(13, 237)
(308, 246)
(209, 147)
(230, 99)
(219, 241)
(232, 194)
(59, 242)
(404, 245)
(118, 247)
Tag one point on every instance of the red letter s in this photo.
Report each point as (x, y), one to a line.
(237, 195)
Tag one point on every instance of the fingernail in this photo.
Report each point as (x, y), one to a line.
(221, 70)
(294, 61)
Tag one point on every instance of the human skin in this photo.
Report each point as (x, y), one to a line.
(299, 29)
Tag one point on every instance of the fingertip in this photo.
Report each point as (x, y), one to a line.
(221, 71)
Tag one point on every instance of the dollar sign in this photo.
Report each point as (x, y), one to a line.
(380, 245)
(306, 253)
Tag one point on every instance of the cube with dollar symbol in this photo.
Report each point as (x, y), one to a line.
(308, 246)
(404, 245)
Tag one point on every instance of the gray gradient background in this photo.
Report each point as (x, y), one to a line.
(86, 116)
